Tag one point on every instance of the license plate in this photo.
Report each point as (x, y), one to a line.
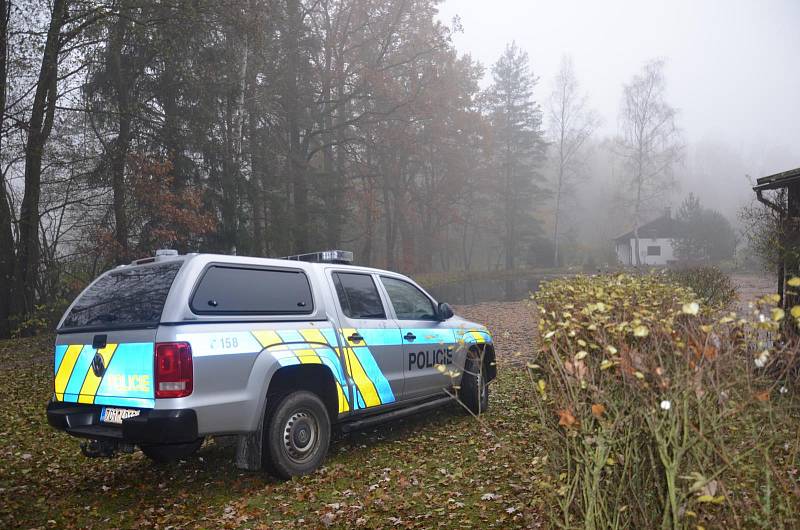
(115, 415)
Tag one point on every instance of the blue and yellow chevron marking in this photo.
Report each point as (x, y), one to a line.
(306, 346)
(319, 346)
(127, 381)
(66, 357)
(373, 372)
(473, 336)
(362, 380)
(91, 383)
(373, 387)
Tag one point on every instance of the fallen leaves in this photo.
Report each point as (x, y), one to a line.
(43, 476)
(566, 418)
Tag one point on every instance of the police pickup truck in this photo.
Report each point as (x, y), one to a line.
(173, 348)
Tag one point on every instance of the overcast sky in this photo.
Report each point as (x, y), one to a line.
(733, 66)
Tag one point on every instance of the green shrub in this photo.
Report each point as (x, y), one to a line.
(641, 392)
(709, 283)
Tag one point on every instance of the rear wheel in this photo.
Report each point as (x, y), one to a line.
(474, 392)
(297, 432)
(171, 452)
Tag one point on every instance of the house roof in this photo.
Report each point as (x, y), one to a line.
(778, 180)
(663, 227)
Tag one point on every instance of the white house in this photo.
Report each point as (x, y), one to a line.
(655, 242)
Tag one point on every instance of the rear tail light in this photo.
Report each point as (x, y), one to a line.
(174, 374)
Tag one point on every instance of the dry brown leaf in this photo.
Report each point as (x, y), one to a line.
(569, 368)
(580, 370)
(566, 418)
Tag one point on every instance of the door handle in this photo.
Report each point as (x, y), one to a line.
(355, 337)
(409, 336)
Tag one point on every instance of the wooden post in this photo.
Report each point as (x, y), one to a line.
(792, 245)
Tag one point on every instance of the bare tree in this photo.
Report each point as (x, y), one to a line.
(6, 231)
(571, 125)
(38, 129)
(649, 144)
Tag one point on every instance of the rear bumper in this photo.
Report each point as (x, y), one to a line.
(149, 428)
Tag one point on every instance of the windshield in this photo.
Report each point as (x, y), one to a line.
(124, 298)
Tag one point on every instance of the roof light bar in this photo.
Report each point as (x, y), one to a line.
(343, 257)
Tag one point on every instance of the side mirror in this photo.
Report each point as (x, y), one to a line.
(444, 311)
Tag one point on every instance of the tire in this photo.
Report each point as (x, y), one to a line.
(474, 392)
(297, 432)
(171, 452)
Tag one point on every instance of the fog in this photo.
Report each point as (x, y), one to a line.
(731, 71)
(427, 136)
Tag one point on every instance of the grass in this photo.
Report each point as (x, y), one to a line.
(439, 470)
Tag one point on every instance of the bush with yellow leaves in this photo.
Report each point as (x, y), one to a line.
(636, 384)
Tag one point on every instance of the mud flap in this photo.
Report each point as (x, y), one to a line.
(248, 449)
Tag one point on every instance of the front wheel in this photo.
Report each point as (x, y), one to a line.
(297, 432)
(170, 452)
(474, 392)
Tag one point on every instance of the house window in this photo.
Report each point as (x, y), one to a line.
(653, 250)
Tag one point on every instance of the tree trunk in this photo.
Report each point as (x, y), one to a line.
(121, 146)
(232, 165)
(365, 257)
(510, 213)
(559, 187)
(6, 231)
(389, 217)
(258, 171)
(26, 265)
(555, 224)
(329, 171)
(638, 212)
(295, 160)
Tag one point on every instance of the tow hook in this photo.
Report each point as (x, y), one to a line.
(104, 448)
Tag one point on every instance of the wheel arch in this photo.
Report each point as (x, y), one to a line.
(479, 344)
(315, 378)
(307, 365)
(485, 351)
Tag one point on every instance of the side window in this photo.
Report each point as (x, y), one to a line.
(409, 302)
(252, 291)
(358, 295)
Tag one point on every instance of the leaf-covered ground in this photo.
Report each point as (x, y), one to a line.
(439, 470)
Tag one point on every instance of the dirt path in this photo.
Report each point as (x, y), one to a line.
(512, 325)
(753, 286)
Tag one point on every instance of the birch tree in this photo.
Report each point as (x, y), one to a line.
(649, 144)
